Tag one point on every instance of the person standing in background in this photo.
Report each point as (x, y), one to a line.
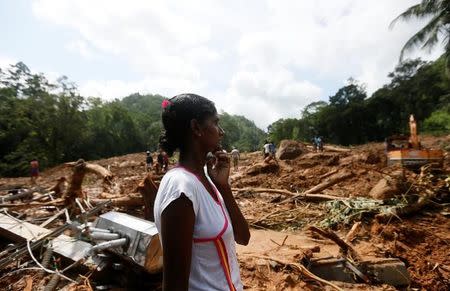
(266, 149)
(34, 170)
(235, 157)
(149, 162)
(159, 162)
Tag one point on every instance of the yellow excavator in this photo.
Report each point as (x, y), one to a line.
(409, 152)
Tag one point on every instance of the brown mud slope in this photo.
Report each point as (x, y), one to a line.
(279, 225)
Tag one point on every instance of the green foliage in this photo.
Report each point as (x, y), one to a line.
(53, 123)
(438, 14)
(438, 122)
(240, 133)
(416, 87)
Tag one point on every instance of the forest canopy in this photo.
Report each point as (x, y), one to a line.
(54, 123)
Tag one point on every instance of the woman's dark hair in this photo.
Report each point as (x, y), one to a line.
(176, 118)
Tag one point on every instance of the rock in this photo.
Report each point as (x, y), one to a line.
(384, 189)
(372, 158)
(387, 187)
(290, 149)
(270, 167)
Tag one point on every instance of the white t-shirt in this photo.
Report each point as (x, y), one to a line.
(267, 148)
(208, 268)
(235, 154)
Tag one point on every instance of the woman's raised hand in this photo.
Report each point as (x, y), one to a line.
(221, 171)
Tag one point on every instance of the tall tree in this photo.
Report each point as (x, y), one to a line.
(438, 26)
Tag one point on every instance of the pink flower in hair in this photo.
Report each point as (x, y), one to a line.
(165, 103)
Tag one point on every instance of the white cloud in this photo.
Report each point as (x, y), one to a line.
(258, 59)
(111, 89)
(5, 61)
(267, 95)
(81, 47)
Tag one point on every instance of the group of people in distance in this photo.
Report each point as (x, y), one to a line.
(317, 143)
(162, 162)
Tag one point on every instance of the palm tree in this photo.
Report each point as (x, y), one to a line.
(438, 26)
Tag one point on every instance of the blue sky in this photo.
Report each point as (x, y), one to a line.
(262, 59)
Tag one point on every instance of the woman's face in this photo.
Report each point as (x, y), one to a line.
(212, 133)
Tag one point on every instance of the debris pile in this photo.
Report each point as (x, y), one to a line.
(333, 220)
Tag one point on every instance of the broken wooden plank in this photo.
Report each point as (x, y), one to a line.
(339, 177)
(56, 215)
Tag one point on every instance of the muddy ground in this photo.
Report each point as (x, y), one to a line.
(279, 228)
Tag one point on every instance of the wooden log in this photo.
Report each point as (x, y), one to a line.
(148, 190)
(100, 171)
(345, 247)
(324, 185)
(330, 182)
(353, 232)
(326, 175)
(128, 201)
(305, 197)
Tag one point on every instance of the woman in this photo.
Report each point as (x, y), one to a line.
(195, 212)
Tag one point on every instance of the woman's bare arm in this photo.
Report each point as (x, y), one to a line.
(177, 228)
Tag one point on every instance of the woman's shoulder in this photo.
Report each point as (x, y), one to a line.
(177, 176)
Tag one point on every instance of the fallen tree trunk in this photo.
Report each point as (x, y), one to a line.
(80, 169)
(330, 182)
(306, 197)
(100, 171)
(322, 186)
(128, 201)
(326, 175)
